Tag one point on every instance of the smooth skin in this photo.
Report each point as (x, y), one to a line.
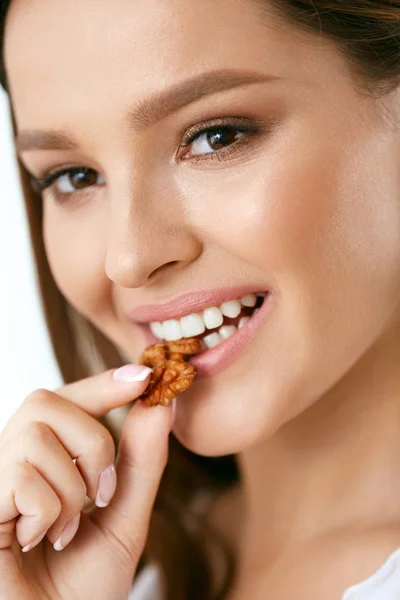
(305, 204)
(42, 489)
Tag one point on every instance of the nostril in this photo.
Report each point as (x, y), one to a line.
(163, 268)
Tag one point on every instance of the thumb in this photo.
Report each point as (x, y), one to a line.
(141, 460)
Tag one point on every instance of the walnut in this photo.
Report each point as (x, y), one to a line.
(171, 374)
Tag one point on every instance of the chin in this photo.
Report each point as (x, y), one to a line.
(247, 405)
(218, 422)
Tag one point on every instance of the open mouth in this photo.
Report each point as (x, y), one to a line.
(214, 324)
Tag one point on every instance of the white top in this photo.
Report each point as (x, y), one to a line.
(383, 585)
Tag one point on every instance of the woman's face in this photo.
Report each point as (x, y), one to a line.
(294, 191)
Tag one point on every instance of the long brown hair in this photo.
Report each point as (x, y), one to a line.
(367, 34)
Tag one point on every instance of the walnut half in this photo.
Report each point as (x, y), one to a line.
(171, 374)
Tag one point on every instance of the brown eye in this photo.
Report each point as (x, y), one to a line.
(82, 178)
(224, 136)
(69, 181)
(214, 139)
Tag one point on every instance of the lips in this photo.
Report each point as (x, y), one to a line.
(188, 303)
(217, 359)
(223, 351)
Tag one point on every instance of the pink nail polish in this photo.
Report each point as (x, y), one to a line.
(68, 533)
(107, 486)
(34, 543)
(130, 373)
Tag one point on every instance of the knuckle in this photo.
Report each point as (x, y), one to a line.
(101, 442)
(38, 396)
(41, 400)
(38, 432)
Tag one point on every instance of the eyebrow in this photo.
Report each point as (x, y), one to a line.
(153, 109)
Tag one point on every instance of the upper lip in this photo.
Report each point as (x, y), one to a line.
(188, 303)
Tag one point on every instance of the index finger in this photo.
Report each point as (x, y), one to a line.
(99, 394)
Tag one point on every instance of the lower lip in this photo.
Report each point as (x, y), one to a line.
(217, 359)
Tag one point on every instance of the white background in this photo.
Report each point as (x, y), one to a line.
(26, 358)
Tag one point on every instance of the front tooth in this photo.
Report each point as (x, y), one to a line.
(231, 309)
(226, 331)
(249, 300)
(243, 322)
(192, 325)
(212, 340)
(212, 317)
(157, 330)
(172, 330)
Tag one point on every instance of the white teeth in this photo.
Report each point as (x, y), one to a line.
(243, 322)
(231, 309)
(226, 331)
(212, 340)
(249, 300)
(172, 330)
(192, 325)
(212, 317)
(157, 330)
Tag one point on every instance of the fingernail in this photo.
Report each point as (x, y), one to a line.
(173, 412)
(107, 485)
(35, 542)
(132, 373)
(67, 533)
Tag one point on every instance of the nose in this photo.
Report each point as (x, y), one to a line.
(149, 235)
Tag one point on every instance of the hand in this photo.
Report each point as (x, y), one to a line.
(42, 491)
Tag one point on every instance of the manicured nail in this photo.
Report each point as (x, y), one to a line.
(68, 533)
(132, 373)
(107, 485)
(35, 542)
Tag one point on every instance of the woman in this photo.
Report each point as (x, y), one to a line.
(185, 163)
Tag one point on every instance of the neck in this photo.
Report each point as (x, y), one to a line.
(335, 466)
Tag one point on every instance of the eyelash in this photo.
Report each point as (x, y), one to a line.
(232, 124)
(40, 184)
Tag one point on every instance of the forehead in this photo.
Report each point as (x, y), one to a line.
(66, 56)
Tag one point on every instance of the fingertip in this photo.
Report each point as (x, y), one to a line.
(131, 373)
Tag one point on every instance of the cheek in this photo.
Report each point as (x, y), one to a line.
(75, 254)
(323, 227)
(321, 222)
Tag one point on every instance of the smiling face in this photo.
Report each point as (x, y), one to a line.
(225, 154)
